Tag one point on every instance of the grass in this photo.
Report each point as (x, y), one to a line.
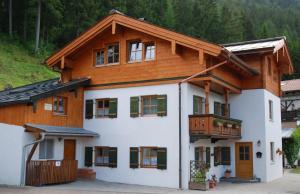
(19, 67)
(296, 170)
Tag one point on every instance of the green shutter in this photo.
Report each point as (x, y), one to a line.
(197, 153)
(162, 105)
(113, 157)
(225, 155)
(162, 158)
(134, 157)
(88, 156)
(134, 106)
(207, 156)
(113, 107)
(195, 105)
(89, 112)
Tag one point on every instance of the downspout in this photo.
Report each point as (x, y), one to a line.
(179, 116)
(23, 165)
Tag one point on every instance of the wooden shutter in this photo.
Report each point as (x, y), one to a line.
(195, 105)
(207, 153)
(134, 157)
(216, 156)
(225, 155)
(89, 109)
(113, 157)
(88, 156)
(222, 109)
(162, 105)
(134, 106)
(216, 108)
(197, 153)
(162, 158)
(113, 108)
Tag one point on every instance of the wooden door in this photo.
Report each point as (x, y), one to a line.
(69, 149)
(244, 160)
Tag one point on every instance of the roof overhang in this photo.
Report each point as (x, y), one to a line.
(49, 130)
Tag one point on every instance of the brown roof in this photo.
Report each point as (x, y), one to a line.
(290, 85)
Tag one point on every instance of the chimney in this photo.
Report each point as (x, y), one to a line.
(115, 11)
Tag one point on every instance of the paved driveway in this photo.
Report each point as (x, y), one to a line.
(290, 183)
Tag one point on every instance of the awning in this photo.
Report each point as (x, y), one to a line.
(59, 131)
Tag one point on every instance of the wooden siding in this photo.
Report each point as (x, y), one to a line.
(22, 113)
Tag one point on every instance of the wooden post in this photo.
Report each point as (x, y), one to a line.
(173, 47)
(207, 90)
(62, 62)
(201, 57)
(226, 96)
(113, 27)
(31, 152)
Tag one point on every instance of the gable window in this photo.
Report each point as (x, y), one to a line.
(60, 105)
(272, 151)
(102, 107)
(149, 51)
(149, 157)
(113, 53)
(46, 148)
(99, 57)
(198, 105)
(149, 105)
(271, 110)
(135, 51)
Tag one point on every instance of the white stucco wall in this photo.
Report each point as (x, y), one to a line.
(251, 106)
(12, 139)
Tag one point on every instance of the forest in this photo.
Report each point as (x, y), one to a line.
(43, 26)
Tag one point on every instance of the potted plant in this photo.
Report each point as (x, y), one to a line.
(218, 123)
(227, 173)
(213, 182)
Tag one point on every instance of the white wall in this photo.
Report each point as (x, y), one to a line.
(124, 132)
(12, 139)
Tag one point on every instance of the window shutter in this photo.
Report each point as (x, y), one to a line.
(162, 158)
(216, 156)
(134, 106)
(197, 150)
(207, 156)
(162, 105)
(88, 156)
(195, 105)
(89, 112)
(113, 157)
(113, 108)
(216, 108)
(225, 155)
(222, 109)
(134, 157)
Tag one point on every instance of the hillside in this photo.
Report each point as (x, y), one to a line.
(18, 67)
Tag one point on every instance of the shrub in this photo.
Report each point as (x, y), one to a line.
(291, 147)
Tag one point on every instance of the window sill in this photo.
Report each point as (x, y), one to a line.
(150, 115)
(138, 61)
(106, 65)
(148, 60)
(149, 167)
(61, 115)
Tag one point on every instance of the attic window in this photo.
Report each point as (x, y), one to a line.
(113, 53)
(99, 57)
(135, 51)
(150, 51)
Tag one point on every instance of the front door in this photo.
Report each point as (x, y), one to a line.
(69, 149)
(244, 160)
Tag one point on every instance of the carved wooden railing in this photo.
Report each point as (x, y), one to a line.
(214, 126)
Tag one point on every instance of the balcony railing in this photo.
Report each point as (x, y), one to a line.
(292, 115)
(213, 126)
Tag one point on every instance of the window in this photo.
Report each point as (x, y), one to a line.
(135, 51)
(199, 154)
(113, 53)
(149, 51)
(102, 107)
(244, 153)
(46, 148)
(272, 151)
(221, 156)
(198, 105)
(60, 105)
(149, 105)
(271, 110)
(149, 157)
(219, 109)
(101, 156)
(99, 57)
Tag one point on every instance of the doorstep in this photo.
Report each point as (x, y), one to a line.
(239, 180)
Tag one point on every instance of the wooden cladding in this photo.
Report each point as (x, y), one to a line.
(50, 172)
(210, 125)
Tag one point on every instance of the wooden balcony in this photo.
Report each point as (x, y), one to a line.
(51, 172)
(213, 126)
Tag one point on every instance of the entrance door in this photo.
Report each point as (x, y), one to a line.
(244, 160)
(69, 149)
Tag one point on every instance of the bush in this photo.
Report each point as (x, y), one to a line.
(291, 147)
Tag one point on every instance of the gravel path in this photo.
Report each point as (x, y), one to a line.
(290, 184)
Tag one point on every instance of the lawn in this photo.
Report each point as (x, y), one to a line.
(296, 170)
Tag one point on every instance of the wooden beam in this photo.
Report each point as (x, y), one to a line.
(226, 98)
(173, 47)
(201, 57)
(207, 91)
(62, 62)
(31, 152)
(113, 27)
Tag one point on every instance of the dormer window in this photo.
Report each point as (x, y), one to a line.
(113, 53)
(99, 57)
(135, 51)
(149, 51)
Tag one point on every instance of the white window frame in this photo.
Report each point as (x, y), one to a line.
(271, 110)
